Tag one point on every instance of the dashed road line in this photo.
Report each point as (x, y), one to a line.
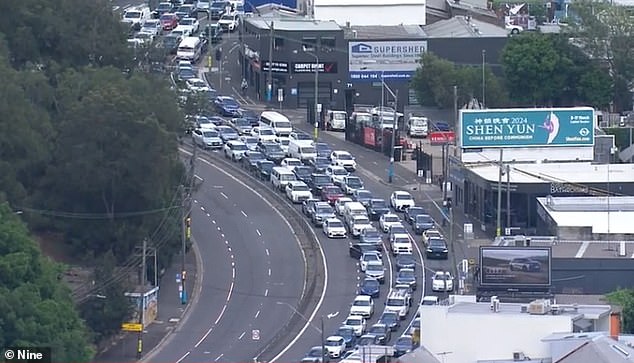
(242, 335)
(582, 249)
(218, 357)
(258, 232)
(183, 357)
(224, 195)
(267, 252)
(244, 214)
(257, 314)
(266, 292)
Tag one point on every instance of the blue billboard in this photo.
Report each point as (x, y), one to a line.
(527, 127)
(391, 60)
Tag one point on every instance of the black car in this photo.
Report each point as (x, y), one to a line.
(370, 286)
(405, 260)
(317, 181)
(164, 7)
(217, 120)
(217, 9)
(404, 344)
(213, 33)
(323, 149)
(391, 319)
(382, 332)
(348, 335)
(362, 196)
(367, 339)
(319, 164)
(253, 118)
(273, 152)
(250, 159)
(406, 276)
(186, 11)
(377, 208)
(412, 212)
(263, 169)
(170, 43)
(356, 250)
(303, 173)
(437, 248)
(423, 222)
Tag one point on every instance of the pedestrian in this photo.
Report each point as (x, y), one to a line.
(243, 86)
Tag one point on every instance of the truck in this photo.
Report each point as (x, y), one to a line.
(336, 120)
(417, 125)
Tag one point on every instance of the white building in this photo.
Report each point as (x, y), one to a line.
(371, 12)
(466, 331)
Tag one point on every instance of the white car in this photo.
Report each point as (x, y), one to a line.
(197, 85)
(229, 22)
(366, 258)
(401, 200)
(430, 300)
(143, 38)
(357, 323)
(152, 26)
(344, 159)
(235, 150)
(442, 281)
(298, 191)
(192, 23)
(430, 234)
(340, 205)
(291, 162)
(513, 29)
(283, 142)
(301, 138)
(362, 305)
(388, 219)
(334, 228)
(401, 243)
(250, 141)
(358, 223)
(263, 133)
(207, 138)
(335, 345)
(336, 174)
(183, 31)
(351, 183)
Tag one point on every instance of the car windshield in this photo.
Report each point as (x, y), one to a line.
(391, 219)
(404, 342)
(303, 170)
(397, 229)
(423, 218)
(292, 162)
(395, 302)
(362, 303)
(403, 196)
(225, 130)
(321, 179)
(339, 116)
(240, 147)
(364, 194)
(335, 224)
(371, 283)
(322, 147)
(388, 317)
(322, 161)
(374, 267)
(242, 122)
(218, 5)
(197, 83)
(267, 165)
(167, 17)
(378, 203)
(266, 132)
(442, 276)
(307, 150)
(371, 257)
(283, 124)
(344, 157)
(354, 182)
(405, 258)
(284, 142)
(333, 343)
(248, 113)
(323, 210)
(362, 220)
(210, 134)
(274, 148)
(132, 14)
(353, 321)
(250, 140)
(331, 190)
(406, 274)
(254, 155)
(401, 240)
(187, 22)
(302, 136)
(164, 6)
(229, 102)
(301, 188)
(345, 332)
(337, 171)
(437, 242)
(373, 233)
(377, 330)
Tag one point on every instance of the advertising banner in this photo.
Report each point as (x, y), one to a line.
(515, 266)
(506, 128)
(391, 60)
(322, 67)
(442, 137)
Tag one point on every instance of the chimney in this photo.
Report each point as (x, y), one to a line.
(615, 325)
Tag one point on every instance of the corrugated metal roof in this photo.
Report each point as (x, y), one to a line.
(368, 2)
(461, 27)
(293, 24)
(384, 32)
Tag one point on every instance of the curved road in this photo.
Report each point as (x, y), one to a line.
(251, 262)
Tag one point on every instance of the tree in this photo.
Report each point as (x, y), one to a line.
(435, 78)
(605, 32)
(625, 299)
(36, 307)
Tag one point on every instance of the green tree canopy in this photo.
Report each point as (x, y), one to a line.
(36, 306)
(625, 299)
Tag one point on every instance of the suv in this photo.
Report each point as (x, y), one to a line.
(207, 139)
(298, 191)
(235, 149)
(398, 302)
(401, 243)
(321, 211)
(362, 305)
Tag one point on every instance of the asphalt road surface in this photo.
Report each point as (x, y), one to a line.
(251, 261)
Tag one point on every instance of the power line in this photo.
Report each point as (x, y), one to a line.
(94, 216)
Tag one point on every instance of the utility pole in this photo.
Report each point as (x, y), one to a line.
(484, 54)
(390, 176)
(139, 346)
(498, 230)
(508, 196)
(455, 105)
(186, 221)
(323, 341)
(242, 50)
(445, 156)
(269, 90)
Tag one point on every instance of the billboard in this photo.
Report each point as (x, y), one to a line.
(528, 127)
(441, 137)
(515, 266)
(392, 60)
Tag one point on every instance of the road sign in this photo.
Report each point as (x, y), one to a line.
(134, 327)
(255, 334)
(280, 95)
(178, 278)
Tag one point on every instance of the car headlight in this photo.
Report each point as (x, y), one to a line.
(445, 250)
(430, 250)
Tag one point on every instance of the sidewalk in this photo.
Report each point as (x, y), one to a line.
(170, 312)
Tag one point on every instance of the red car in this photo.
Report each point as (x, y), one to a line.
(169, 21)
(331, 193)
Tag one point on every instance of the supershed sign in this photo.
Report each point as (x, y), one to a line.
(372, 61)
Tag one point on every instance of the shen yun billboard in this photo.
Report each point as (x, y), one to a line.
(503, 128)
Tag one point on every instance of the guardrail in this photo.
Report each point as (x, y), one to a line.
(315, 274)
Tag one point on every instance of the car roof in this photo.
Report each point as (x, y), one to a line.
(362, 297)
(401, 192)
(334, 338)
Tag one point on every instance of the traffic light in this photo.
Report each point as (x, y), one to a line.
(218, 54)
(188, 227)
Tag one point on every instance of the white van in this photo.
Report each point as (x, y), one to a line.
(336, 120)
(136, 16)
(190, 49)
(280, 176)
(301, 151)
(351, 209)
(278, 122)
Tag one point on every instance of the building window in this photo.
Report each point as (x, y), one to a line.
(278, 43)
(309, 43)
(328, 43)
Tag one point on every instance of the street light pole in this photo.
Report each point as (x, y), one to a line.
(498, 229)
(323, 342)
(390, 176)
(484, 53)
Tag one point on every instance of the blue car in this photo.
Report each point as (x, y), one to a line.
(370, 287)
(323, 149)
(348, 335)
(227, 106)
(404, 344)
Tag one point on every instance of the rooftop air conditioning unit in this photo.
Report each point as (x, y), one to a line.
(539, 307)
(518, 356)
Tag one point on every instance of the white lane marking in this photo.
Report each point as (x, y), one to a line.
(267, 252)
(242, 335)
(389, 265)
(224, 195)
(244, 214)
(218, 357)
(258, 231)
(213, 221)
(324, 289)
(197, 177)
(226, 242)
(195, 201)
(208, 215)
(233, 273)
(257, 314)
(183, 357)
(582, 249)
(222, 235)
(266, 292)
(202, 208)
(218, 228)
(269, 272)
(233, 264)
